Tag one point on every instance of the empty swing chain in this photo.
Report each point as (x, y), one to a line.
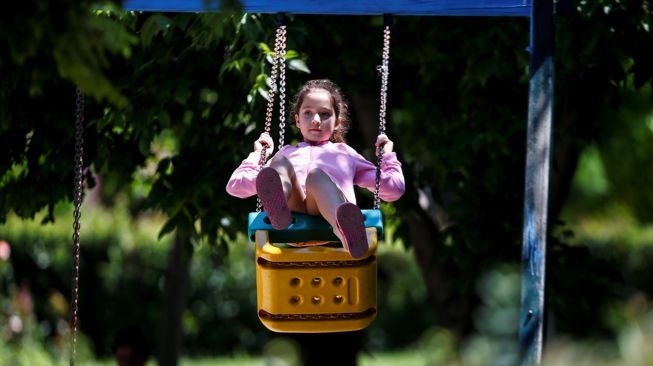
(77, 203)
(384, 70)
(278, 58)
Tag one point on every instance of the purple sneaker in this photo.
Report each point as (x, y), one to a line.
(351, 225)
(270, 191)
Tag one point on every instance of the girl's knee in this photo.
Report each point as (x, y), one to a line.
(316, 176)
(282, 165)
(280, 159)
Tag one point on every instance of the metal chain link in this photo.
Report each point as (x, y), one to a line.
(384, 71)
(279, 42)
(282, 85)
(78, 196)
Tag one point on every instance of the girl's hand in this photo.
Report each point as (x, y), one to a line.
(384, 144)
(264, 140)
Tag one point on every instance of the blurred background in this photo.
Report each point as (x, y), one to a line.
(174, 103)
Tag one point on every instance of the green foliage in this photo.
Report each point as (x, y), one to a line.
(113, 272)
(45, 39)
(608, 211)
(629, 348)
(48, 46)
(192, 80)
(32, 326)
(591, 177)
(400, 292)
(633, 138)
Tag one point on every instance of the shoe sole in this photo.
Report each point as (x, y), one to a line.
(351, 224)
(270, 191)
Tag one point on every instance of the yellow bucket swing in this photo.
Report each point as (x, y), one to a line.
(313, 289)
(317, 288)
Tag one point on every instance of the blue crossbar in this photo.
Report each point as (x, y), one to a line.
(347, 7)
(306, 227)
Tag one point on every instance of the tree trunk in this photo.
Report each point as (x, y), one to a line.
(423, 229)
(174, 301)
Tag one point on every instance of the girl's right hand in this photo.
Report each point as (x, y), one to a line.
(264, 140)
(384, 144)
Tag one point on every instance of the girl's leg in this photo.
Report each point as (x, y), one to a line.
(292, 189)
(279, 191)
(325, 198)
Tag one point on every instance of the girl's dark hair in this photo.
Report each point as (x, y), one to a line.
(337, 100)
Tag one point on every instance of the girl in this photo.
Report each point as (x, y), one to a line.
(317, 176)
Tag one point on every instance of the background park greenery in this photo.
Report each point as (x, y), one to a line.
(174, 102)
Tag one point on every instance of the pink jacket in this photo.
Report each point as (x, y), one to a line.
(344, 165)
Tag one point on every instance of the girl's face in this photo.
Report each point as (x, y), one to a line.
(317, 117)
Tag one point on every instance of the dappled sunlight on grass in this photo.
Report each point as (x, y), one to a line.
(399, 358)
(403, 358)
(631, 348)
(214, 361)
(222, 361)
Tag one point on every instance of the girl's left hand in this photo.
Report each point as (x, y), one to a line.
(384, 143)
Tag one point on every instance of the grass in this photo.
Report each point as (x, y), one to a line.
(403, 358)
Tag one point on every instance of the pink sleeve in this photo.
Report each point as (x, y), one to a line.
(392, 185)
(242, 183)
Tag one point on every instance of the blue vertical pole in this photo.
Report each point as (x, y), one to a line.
(538, 151)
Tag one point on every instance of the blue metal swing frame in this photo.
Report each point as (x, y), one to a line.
(540, 111)
(348, 7)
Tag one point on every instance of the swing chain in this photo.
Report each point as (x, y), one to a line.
(77, 203)
(279, 44)
(384, 71)
(281, 55)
